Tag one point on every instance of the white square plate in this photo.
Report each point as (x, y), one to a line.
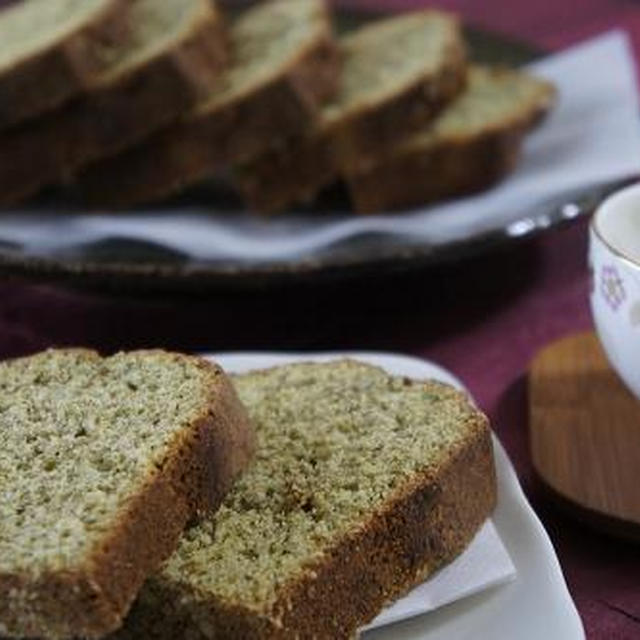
(535, 605)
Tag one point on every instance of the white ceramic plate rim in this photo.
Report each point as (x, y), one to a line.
(536, 604)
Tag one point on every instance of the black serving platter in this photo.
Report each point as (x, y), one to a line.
(120, 264)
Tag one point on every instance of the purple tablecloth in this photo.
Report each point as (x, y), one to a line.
(484, 319)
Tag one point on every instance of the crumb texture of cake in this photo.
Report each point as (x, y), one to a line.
(265, 41)
(156, 28)
(39, 23)
(103, 461)
(173, 52)
(362, 485)
(283, 64)
(494, 98)
(471, 145)
(382, 60)
(397, 75)
(51, 49)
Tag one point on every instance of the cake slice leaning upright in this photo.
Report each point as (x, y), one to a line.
(284, 63)
(470, 146)
(363, 485)
(103, 462)
(398, 73)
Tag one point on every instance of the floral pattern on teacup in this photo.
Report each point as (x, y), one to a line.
(612, 287)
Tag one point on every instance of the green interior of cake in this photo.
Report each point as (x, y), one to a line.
(31, 26)
(334, 442)
(492, 97)
(388, 57)
(78, 435)
(154, 26)
(265, 41)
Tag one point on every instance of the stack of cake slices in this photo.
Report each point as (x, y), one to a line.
(131, 102)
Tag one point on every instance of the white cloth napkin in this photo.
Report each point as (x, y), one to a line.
(485, 563)
(593, 136)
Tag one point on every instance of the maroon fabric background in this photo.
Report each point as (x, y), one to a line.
(484, 319)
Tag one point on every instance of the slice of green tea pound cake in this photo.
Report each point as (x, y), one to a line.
(103, 462)
(51, 49)
(363, 484)
(474, 142)
(398, 73)
(173, 54)
(284, 63)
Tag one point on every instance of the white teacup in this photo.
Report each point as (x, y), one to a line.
(614, 257)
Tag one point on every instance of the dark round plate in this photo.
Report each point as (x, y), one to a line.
(122, 264)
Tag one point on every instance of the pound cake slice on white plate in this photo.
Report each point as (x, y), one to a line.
(471, 145)
(103, 462)
(398, 73)
(172, 55)
(284, 64)
(363, 484)
(51, 49)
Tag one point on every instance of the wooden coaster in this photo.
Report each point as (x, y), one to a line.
(585, 434)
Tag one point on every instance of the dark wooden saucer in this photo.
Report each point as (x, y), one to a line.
(585, 435)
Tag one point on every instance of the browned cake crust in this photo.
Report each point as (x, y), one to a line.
(445, 171)
(62, 70)
(194, 477)
(198, 146)
(451, 168)
(426, 524)
(115, 115)
(293, 171)
(297, 169)
(372, 132)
